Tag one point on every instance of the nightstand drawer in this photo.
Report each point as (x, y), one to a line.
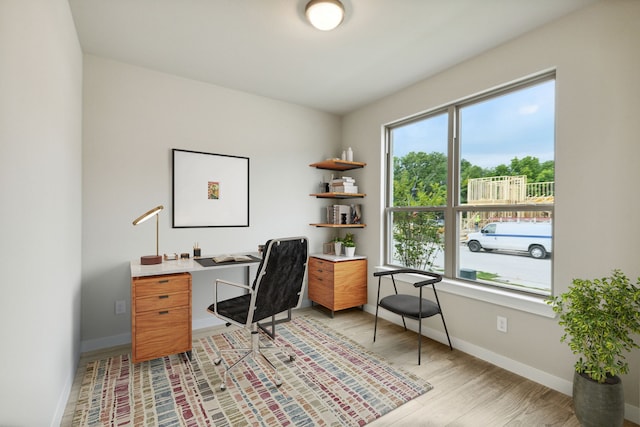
(320, 266)
(162, 285)
(321, 276)
(162, 302)
(162, 332)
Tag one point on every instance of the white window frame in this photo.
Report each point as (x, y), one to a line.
(523, 301)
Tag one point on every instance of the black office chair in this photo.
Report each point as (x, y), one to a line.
(411, 306)
(278, 287)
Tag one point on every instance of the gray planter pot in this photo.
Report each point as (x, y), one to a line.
(596, 404)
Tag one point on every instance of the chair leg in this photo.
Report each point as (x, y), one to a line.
(446, 331)
(419, 339)
(223, 386)
(375, 325)
(253, 352)
(442, 316)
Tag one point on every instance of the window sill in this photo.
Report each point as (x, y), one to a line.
(517, 301)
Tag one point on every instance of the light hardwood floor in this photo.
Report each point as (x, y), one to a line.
(467, 391)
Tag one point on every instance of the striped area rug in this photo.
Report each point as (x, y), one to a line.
(333, 381)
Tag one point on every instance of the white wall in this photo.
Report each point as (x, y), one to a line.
(596, 54)
(40, 209)
(133, 117)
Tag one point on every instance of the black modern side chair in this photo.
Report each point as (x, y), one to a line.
(411, 306)
(277, 288)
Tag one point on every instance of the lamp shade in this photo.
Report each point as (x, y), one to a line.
(145, 216)
(325, 15)
(157, 258)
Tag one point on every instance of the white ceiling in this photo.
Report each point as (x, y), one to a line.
(266, 47)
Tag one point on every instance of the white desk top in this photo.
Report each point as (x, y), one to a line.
(190, 265)
(337, 258)
(181, 266)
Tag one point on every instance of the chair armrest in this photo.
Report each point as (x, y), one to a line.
(435, 278)
(226, 282)
(237, 285)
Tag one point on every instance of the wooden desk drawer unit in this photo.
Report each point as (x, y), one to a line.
(338, 285)
(160, 316)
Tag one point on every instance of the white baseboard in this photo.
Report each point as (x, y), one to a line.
(206, 322)
(105, 342)
(61, 406)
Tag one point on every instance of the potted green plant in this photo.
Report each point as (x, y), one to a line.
(337, 245)
(349, 245)
(599, 318)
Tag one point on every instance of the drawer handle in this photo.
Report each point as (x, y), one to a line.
(163, 296)
(164, 312)
(163, 281)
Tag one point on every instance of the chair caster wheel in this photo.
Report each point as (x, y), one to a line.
(217, 361)
(292, 358)
(278, 383)
(223, 387)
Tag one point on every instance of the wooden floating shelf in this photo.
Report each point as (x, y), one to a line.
(340, 225)
(338, 165)
(337, 195)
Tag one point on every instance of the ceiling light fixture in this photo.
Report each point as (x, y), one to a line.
(325, 15)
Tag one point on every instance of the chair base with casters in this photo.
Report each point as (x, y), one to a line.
(256, 351)
(411, 306)
(277, 288)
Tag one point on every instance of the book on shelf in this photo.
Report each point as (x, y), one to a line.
(339, 214)
(329, 214)
(344, 214)
(230, 258)
(343, 180)
(353, 189)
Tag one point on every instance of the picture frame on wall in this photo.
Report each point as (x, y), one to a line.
(209, 190)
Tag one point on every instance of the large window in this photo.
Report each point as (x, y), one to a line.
(471, 188)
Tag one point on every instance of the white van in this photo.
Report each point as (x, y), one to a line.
(531, 237)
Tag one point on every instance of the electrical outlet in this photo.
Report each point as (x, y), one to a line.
(121, 307)
(502, 324)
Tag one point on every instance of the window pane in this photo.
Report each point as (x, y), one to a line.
(507, 143)
(507, 249)
(419, 151)
(418, 239)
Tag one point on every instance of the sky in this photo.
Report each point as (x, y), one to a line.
(493, 132)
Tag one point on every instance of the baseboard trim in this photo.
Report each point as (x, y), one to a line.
(207, 322)
(124, 339)
(105, 342)
(61, 406)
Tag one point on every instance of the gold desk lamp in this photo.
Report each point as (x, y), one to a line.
(157, 258)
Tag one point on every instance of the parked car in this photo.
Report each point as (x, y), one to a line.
(534, 238)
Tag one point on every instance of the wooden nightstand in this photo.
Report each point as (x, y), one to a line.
(160, 316)
(337, 283)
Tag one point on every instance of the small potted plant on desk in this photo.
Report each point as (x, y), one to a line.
(599, 318)
(349, 245)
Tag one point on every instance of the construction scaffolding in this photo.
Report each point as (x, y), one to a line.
(506, 190)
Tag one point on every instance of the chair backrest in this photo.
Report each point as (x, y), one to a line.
(279, 284)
